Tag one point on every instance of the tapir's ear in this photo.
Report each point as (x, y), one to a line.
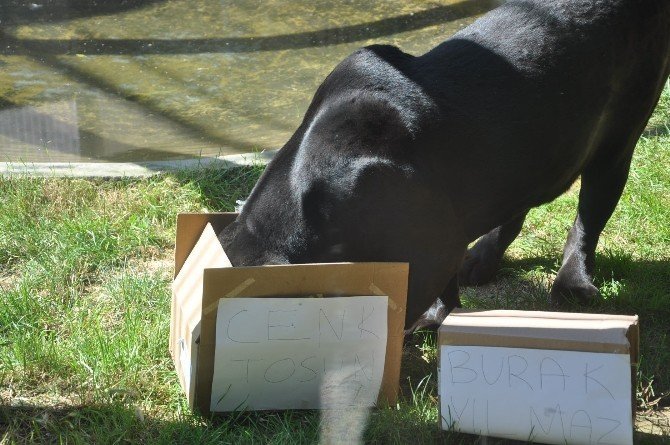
(363, 183)
(318, 204)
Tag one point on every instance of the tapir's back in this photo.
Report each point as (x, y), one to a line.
(537, 88)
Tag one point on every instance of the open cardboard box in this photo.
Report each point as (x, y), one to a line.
(203, 276)
(545, 377)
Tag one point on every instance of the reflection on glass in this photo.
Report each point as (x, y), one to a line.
(167, 79)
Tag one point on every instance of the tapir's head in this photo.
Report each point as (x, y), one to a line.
(334, 192)
(345, 188)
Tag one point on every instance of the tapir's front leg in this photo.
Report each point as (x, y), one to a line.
(436, 314)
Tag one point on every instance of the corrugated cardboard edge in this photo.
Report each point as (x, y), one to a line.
(186, 305)
(190, 227)
(632, 334)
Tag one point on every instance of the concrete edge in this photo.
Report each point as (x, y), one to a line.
(130, 169)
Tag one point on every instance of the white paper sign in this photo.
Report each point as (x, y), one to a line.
(299, 353)
(537, 395)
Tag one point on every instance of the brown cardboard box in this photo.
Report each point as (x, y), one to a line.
(203, 275)
(547, 377)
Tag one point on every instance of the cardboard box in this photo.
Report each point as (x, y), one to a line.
(539, 376)
(204, 276)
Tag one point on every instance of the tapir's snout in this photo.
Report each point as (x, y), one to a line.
(244, 249)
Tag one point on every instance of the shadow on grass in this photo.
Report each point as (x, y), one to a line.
(650, 439)
(53, 424)
(662, 129)
(627, 285)
(112, 423)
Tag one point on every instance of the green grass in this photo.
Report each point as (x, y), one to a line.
(85, 270)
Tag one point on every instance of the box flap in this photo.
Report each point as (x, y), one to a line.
(189, 229)
(542, 330)
(187, 299)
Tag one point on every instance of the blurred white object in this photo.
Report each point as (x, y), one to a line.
(239, 205)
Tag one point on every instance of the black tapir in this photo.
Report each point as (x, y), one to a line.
(404, 158)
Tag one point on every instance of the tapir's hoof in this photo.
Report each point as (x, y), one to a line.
(424, 324)
(572, 290)
(431, 319)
